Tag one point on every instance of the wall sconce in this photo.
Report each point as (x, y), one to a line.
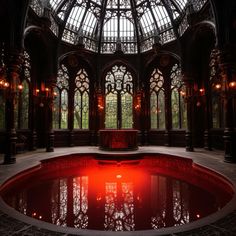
(224, 87)
(196, 94)
(45, 96)
(138, 100)
(100, 100)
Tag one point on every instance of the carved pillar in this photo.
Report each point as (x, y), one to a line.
(32, 126)
(207, 116)
(49, 130)
(14, 62)
(228, 92)
(190, 102)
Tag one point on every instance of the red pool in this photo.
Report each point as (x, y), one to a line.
(86, 191)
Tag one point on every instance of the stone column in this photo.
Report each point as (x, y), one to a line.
(208, 117)
(49, 130)
(32, 125)
(14, 62)
(190, 102)
(228, 73)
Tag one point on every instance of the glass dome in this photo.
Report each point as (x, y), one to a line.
(105, 26)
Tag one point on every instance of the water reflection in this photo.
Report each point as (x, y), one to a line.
(112, 198)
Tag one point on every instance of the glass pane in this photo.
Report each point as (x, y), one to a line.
(2, 111)
(215, 111)
(111, 111)
(81, 100)
(60, 110)
(126, 111)
(24, 113)
(153, 110)
(77, 111)
(157, 100)
(64, 109)
(56, 110)
(178, 106)
(175, 108)
(119, 82)
(161, 110)
(183, 108)
(85, 111)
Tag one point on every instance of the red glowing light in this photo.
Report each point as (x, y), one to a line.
(118, 176)
(20, 86)
(232, 84)
(198, 216)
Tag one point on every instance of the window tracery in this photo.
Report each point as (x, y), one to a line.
(60, 106)
(216, 101)
(178, 106)
(81, 100)
(104, 23)
(157, 100)
(118, 98)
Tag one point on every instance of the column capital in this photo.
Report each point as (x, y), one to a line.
(14, 61)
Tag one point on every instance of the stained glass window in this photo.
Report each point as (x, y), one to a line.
(178, 106)
(157, 100)
(60, 105)
(119, 98)
(81, 100)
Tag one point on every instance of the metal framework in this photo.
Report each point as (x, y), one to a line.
(104, 26)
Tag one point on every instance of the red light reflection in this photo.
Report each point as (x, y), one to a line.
(110, 197)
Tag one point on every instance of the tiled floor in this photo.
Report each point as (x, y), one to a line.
(222, 223)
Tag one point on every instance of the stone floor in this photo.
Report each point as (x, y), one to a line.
(221, 223)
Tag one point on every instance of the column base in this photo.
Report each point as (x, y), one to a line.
(50, 149)
(189, 149)
(229, 159)
(9, 160)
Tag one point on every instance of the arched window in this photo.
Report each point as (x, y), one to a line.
(23, 98)
(157, 100)
(60, 110)
(81, 100)
(119, 98)
(178, 106)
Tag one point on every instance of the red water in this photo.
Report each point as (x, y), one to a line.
(111, 196)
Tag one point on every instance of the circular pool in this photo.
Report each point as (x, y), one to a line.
(117, 192)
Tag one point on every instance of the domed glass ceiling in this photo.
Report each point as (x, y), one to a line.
(131, 25)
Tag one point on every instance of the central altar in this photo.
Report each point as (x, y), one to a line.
(118, 139)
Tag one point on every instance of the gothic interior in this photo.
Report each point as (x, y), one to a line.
(117, 75)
